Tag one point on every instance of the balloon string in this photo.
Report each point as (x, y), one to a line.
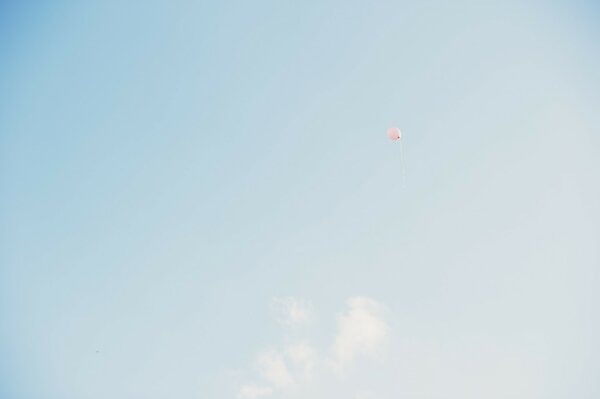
(403, 164)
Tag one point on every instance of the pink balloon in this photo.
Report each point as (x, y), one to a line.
(394, 133)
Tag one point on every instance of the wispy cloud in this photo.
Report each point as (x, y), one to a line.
(338, 363)
(304, 357)
(273, 368)
(361, 332)
(252, 391)
(290, 311)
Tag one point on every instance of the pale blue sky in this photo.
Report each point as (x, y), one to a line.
(168, 168)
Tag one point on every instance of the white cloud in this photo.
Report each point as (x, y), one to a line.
(290, 310)
(423, 364)
(252, 391)
(298, 369)
(273, 369)
(361, 332)
(304, 357)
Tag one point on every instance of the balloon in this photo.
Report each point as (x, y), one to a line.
(394, 133)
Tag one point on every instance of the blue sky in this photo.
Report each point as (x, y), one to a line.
(181, 180)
